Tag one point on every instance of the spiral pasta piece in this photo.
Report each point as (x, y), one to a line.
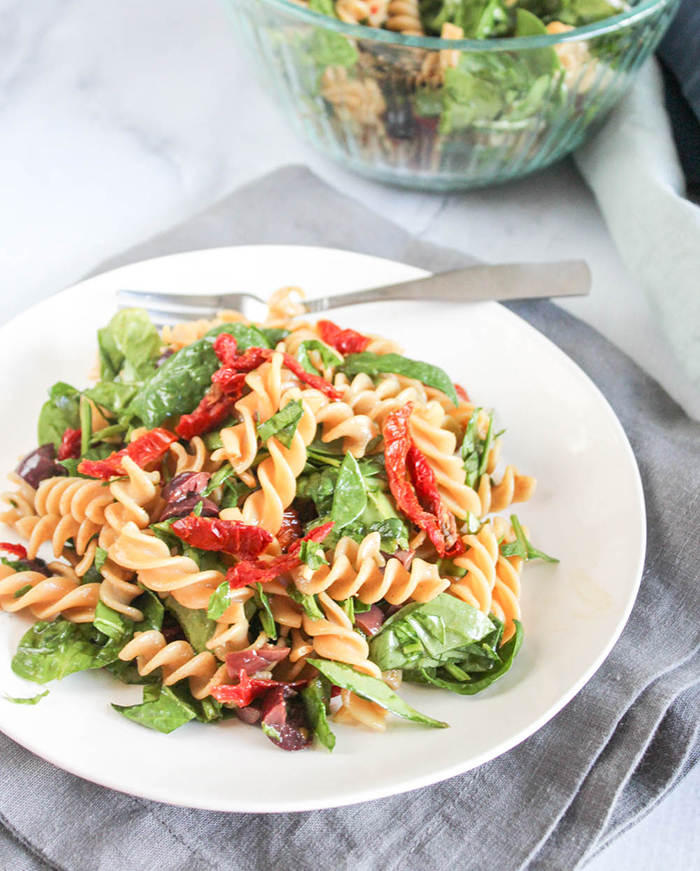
(438, 446)
(513, 487)
(372, 13)
(176, 662)
(404, 17)
(240, 442)
(278, 473)
(334, 637)
(150, 558)
(356, 101)
(361, 570)
(199, 459)
(45, 597)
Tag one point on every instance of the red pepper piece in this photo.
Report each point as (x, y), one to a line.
(260, 572)
(397, 447)
(17, 550)
(345, 341)
(69, 449)
(145, 450)
(426, 489)
(461, 392)
(249, 688)
(229, 536)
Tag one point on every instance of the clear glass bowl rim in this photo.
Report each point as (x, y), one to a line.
(636, 15)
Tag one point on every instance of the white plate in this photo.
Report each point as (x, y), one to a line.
(588, 510)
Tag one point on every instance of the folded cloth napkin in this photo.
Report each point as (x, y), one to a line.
(604, 761)
(632, 167)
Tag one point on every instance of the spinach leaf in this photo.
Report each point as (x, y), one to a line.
(178, 385)
(371, 688)
(246, 335)
(129, 346)
(219, 601)
(350, 496)
(374, 364)
(475, 450)
(273, 335)
(316, 697)
(196, 625)
(152, 609)
(33, 700)
(60, 412)
(51, 651)
(311, 553)
(267, 618)
(283, 424)
(522, 547)
(478, 18)
(163, 532)
(100, 558)
(467, 684)
(581, 12)
(308, 602)
(114, 396)
(161, 709)
(329, 357)
(111, 623)
(428, 634)
(541, 61)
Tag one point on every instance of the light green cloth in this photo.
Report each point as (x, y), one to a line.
(632, 167)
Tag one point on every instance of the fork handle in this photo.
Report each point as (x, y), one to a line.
(505, 281)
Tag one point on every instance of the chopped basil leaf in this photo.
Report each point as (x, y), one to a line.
(311, 553)
(283, 424)
(267, 619)
(196, 625)
(111, 623)
(219, 601)
(22, 590)
(475, 450)
(522, 547)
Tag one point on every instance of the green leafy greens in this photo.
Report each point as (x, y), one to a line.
(522, 547)
(283, 424)
(374, 364)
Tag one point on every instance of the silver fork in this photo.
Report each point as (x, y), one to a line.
(506, 281)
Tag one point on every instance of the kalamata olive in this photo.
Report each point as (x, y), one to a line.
(40, 465)
(283, 712)
(370, 622)
(184, 483)
(252, 661)
(185, 506)
(290, 530)
(399, 119)
(182, 496)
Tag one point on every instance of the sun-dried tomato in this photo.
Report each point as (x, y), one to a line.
(260, 572)
(249, 688)
(69, 449)
(461, 392)
(255, 357)
(228, 536)
(17, 550)
(212, 411)
(433, 520)
(226, 348)
(145, 450)
(346, 341)
(423, 479)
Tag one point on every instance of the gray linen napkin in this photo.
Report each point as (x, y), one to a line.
(604, 761)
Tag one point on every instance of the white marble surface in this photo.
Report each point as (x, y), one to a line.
(120, 119)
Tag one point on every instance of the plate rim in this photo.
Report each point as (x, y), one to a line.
(368, 792)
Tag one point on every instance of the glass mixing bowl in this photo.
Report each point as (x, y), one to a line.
(438, 114)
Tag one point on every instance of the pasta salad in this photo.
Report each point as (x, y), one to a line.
(278, 522)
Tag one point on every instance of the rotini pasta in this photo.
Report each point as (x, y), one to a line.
(315, 531)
